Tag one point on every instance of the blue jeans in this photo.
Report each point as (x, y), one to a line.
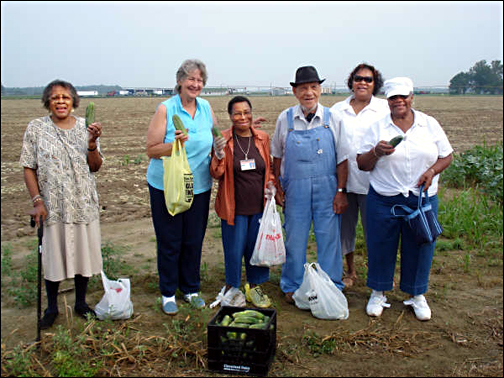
(238, 242)
(383, 241)
(179, 242)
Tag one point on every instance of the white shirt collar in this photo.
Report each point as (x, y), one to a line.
(373, 104)
(418, 119)
(299, 113)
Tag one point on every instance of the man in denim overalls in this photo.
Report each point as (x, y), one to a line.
(310, 161)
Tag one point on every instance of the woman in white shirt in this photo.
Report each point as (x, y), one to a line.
(358, 112)
(395, 177)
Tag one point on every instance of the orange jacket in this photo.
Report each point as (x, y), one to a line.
(222, 170)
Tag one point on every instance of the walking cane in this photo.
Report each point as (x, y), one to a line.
(40, 233)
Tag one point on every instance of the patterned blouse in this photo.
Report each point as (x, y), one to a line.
(59, 156)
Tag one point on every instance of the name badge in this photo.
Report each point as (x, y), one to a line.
(247, 165)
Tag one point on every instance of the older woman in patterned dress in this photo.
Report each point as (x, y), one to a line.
(59, 156)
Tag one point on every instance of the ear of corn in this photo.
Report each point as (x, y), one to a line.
(90, 114)
(179, 125)
(395, 141)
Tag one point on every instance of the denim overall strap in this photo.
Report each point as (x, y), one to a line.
(290, 118)
(327, 114)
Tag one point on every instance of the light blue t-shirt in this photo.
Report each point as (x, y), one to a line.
(198, 146)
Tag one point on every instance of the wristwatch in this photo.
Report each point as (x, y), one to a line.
(342, 190)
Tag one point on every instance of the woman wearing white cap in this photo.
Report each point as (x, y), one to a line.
(358, 112)
(396, 175)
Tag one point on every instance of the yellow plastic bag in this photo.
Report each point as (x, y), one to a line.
(178, 180)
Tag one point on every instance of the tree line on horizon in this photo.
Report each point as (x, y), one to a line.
(482, 78)
(37, 91)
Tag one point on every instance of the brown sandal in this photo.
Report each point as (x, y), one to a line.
(349, 281)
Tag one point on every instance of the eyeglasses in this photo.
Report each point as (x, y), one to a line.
(367, 79)
(237, 115)
(57, 98)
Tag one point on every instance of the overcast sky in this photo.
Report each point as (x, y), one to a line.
(136, 44)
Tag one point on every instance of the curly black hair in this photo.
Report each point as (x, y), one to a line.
(377, 77)
(236, 99)
(59, 83)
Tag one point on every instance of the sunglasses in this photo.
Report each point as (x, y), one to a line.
(367, 79)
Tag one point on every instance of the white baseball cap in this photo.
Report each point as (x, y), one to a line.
(398, 86)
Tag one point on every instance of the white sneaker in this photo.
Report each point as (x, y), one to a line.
(376, 303)
(420, 306)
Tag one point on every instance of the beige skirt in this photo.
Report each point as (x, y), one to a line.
(70, 249)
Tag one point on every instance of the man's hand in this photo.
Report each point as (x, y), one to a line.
(340, 203)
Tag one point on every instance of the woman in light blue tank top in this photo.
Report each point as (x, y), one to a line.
(180, 237)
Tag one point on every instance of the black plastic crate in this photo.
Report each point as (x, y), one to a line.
(250, 352)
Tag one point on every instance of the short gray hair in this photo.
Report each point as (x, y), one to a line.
(188, 66)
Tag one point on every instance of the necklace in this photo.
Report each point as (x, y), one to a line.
(248, 149)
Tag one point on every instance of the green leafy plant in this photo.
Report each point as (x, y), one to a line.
(479, 167)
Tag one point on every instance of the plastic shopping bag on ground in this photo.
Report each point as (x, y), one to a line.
(234, 297)
(177, 180)
(116, 303)
(269, 248)
(325, 299)
(301, 294)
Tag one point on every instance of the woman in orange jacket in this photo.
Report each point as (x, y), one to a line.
(241, 162)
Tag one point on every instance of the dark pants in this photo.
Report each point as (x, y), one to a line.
(179, 242)
(383, 236)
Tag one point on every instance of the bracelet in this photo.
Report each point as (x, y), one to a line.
(374, 152)
(433, 171)
(37, 200)
(92, 149)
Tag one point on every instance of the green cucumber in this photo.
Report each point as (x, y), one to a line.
(90, 114)
(395, 141)
(226, 320)
(253, 313)
(216, 132)
(179, 125)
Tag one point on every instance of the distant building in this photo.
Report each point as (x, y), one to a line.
(87, 93)
(279, 91)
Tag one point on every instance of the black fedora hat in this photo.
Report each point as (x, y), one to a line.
(306, 74)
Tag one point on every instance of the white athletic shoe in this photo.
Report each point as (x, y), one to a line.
(376, 303)
(420, 306)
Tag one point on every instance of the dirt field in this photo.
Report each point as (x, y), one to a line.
(464, 337)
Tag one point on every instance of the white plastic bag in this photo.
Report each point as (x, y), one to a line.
(269, 248)
(116, 303)
(234, 297)
(325, 300)
(301, 294)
